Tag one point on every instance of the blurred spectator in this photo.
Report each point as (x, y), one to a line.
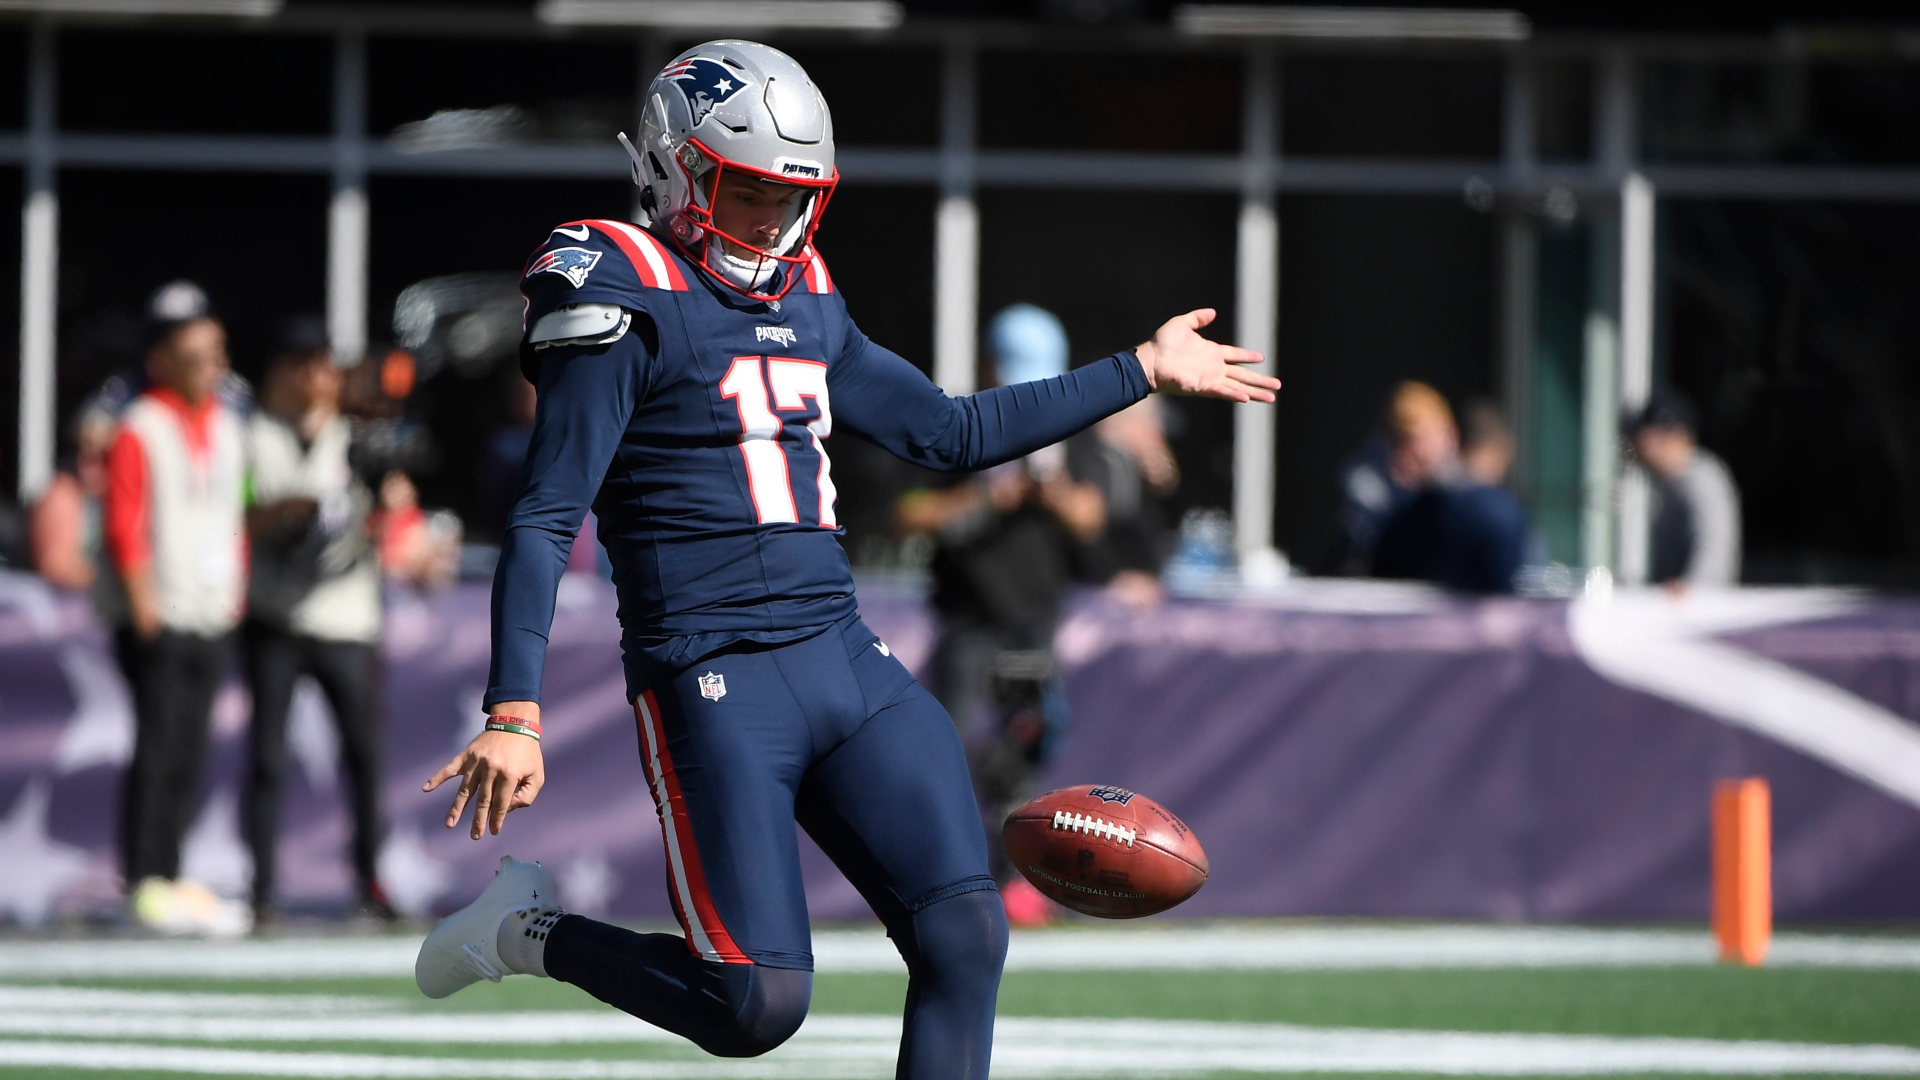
(1005, 543)
(1461, 529)
(314, 604)
(66, 525)
(1696, 518)
(175, 534)
(1127, 459)
(415, 548)
(1422, 443)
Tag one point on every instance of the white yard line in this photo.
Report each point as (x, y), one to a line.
(865, 1046)
(46, 1026)
(1134, 948)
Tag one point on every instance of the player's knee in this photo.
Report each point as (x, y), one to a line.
(760, 1009)
(962, 939)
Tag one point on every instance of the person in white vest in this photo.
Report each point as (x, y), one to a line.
(176, 536)
(315, 606)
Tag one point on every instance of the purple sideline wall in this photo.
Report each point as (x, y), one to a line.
(1387, 752)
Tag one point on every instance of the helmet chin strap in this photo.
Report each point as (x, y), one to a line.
(749, 274)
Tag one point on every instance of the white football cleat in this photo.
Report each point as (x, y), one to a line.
(464, 946)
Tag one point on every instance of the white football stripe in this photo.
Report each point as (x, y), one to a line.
(1027, 1047)
(669, 827)
(1164, 946)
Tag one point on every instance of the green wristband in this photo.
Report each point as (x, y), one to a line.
(517, 729)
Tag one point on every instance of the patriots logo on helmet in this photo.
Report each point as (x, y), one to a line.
(706, 83)
(571, 263)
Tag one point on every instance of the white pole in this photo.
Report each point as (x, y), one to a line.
(956, 239)
(1636, 366)
(1257, 307)
(39, 274)
(347, 226)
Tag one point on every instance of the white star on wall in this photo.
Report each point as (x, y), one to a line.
(413, 879)
(312, 737)
(588, 883)
(212, 852)
(100, 731)
(38, 867)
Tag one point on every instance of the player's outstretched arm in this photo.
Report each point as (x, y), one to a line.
(499, 771)
(1179, 361)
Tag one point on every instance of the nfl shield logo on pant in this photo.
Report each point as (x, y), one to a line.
(713, 687)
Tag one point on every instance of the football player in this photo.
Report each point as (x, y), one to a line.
(690, 372)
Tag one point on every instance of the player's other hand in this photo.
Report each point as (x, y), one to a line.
(499, 771)
(1179, 361)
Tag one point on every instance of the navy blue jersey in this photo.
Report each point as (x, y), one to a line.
(700, 440)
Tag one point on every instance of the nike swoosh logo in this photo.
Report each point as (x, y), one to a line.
(581, 235)
(882, 646)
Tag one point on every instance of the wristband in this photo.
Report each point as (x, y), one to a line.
(515, 725)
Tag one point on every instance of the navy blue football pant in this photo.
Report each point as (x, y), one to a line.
(831, 732)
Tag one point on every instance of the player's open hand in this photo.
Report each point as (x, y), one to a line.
(1179, 361)
(499, 771)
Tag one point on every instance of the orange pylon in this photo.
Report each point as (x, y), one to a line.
(1742, 870)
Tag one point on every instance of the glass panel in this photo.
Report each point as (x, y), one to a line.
(1864, 113)
(879, 97)
(1563, 110)
(1113, 286)
(13, 77)
(228, 84)
(124, 234)
(1795, 329)
(1109, 101)
(1828, 113)
(1375, 290)
(1399, 106)
(443, 93)
(1719, 112)
(1553, 496)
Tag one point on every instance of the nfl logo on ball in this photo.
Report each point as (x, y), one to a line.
(713, 687)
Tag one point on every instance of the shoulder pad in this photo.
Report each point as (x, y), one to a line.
(584, 324)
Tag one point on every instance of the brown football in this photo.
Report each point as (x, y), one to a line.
(1105, 851)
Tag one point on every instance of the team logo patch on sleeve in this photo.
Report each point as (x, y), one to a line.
(712, 687)
(571, 263)
(705, 83)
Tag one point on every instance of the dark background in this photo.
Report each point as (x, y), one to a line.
(1790, 324)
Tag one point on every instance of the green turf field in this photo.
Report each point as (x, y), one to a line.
(1483, 1018)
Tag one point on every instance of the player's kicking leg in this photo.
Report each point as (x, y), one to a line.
(723, 770)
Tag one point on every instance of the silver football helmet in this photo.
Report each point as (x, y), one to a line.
(735, 105)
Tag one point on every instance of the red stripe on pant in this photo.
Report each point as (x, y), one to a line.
(707, 936)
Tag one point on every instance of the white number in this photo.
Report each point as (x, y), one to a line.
(793, 382)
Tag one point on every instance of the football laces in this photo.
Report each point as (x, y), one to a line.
(1088, 825)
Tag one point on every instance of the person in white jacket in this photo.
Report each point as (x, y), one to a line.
(175, 536)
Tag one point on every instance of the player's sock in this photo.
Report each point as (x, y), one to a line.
(522, 943)
(732, 1010)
